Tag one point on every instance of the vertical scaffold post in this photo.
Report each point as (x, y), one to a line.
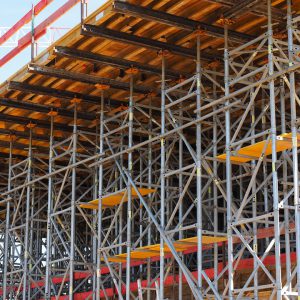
(27, 216)
(121, 219)
(254, 204)
(129, 192)
(100, 192)
(215, 189)
(274, 154)
(228, 165)
(95, 219)
(162, 174)
(180, 210)
(149, 186)
(73, 201)
(83, 10)
(52, 114)
(285, 187)
(7, 224)
(198, 165)
(294, 138)
(264, 169)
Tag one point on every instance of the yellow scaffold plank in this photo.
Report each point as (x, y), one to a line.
(154, 250)
(252, 152)
(114, 199)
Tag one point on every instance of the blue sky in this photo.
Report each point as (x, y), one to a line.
(12, 10)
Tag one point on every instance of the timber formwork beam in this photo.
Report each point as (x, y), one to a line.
(36, 107)
(39, 123)
(127, 38)
(177, 21)
(87, 78)
(57, 93)
(117, 62)
(25, 135)
(22, 147)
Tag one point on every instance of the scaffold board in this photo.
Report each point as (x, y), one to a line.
(254, 151)
(115, 198)
(154, 250)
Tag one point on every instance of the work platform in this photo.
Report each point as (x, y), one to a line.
(116, 198)
(150, 251)
(261, 149)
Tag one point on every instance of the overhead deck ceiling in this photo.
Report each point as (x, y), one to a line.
(116, 37)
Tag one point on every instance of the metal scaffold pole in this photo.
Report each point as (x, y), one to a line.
(254, 203)
(294, 137)
(27, 256)
(215, 189)
(129, 191)
(100, 194)
(150, 156)
(7, 239)
(198, 165)
(49, 210)
(274, 154)
(73, 200)
(228, 166)
(121, 219)
(180, 210)
(95, 225)
(162, 174)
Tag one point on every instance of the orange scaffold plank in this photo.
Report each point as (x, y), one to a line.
(154, 250)
(253, 152)
(114, 199)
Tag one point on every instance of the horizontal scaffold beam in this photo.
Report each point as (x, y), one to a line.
(177, 21)
(123, 37)
(61, 94)
(44, 108)
(112, 61)
(87, 78)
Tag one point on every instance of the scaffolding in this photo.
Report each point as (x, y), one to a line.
(158, 158)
